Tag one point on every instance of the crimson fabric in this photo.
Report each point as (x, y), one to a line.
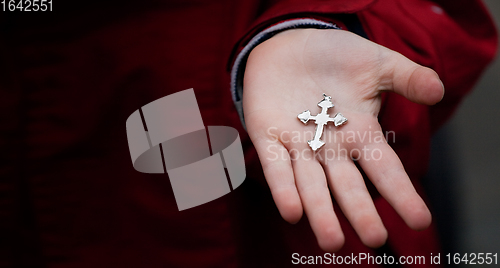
(69, 196)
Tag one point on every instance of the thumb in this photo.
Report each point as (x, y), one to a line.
(415, 82)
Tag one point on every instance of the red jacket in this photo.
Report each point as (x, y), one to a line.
(69, 195)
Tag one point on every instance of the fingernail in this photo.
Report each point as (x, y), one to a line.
(442, 85)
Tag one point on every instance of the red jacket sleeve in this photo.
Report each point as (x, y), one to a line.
(272, 12)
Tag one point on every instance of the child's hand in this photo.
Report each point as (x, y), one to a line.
(287, 75)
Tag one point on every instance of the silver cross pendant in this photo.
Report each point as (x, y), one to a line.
(321, 120)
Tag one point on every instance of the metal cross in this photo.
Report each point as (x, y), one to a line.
(321, 120)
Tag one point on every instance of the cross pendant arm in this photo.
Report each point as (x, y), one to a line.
(321, 120)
